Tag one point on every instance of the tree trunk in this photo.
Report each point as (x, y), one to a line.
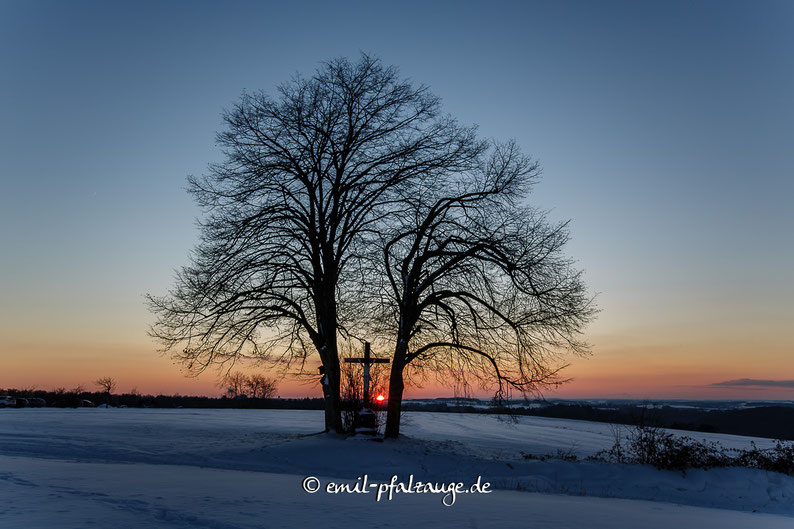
(326, 324)
(333, 402)
(396, 387)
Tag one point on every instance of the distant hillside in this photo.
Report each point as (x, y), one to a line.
(769, 420)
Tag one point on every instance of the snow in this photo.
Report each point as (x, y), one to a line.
(130, 468)
(540, 435)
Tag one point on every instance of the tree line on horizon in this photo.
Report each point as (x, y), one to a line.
(81, 396)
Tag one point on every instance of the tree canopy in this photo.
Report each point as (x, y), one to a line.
(349, 206)
(304, 175)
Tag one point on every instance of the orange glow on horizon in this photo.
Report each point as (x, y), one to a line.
(614, 371)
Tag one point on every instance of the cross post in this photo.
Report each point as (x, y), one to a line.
(367, 361)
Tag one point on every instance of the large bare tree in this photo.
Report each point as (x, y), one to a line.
(476, 285)
(305, 174)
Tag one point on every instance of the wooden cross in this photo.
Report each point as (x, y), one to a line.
(367, 361)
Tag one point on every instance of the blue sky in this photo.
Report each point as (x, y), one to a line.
(665, 130)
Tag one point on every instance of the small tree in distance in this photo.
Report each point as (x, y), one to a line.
(258, 386)
(261, 387)
(235, 384)
(106, 384)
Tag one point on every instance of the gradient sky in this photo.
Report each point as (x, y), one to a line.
(665, 130)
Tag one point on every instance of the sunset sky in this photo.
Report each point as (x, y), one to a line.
(665, 131)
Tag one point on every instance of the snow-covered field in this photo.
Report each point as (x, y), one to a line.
(141, 468)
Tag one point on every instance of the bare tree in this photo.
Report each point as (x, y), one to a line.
(106, 384)
(261, 387)
(235, 384)
(304, 177)
(476, 285)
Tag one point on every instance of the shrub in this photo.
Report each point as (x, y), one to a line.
(780, 458)
(647, 445)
